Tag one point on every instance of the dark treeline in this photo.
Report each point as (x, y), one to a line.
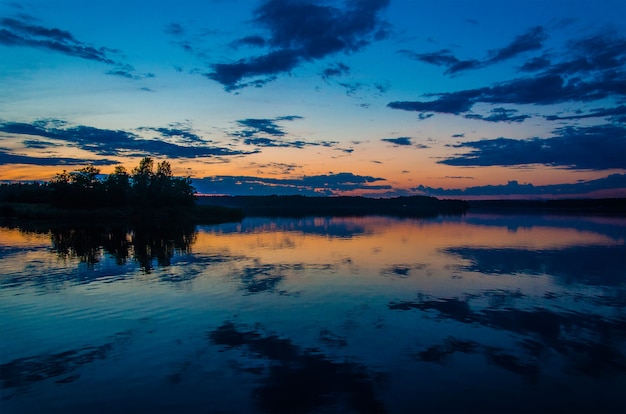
(143, 186)
(414, 206)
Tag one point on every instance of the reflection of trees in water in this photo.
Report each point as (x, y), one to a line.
(142, 243)
(160, 243)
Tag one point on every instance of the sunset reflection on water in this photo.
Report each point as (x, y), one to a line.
(479, 313)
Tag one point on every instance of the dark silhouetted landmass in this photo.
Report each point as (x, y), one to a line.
(608, 206)
(198, 214)
(297, 206)
(145, 194)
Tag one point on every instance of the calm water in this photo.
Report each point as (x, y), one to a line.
(480, 313)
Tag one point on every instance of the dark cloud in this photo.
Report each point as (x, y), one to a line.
(267, 132)
(594, 113)
(128, 72)
(181, 133)
(254, 126)
(271, 142)
(541, 90)
(514, 188)
(450, 103)
(500, 115)
(589, 69)
(253, 41)
(403, 141)
(174, 29)
(598, 147)
(317, 185)
(39, 144)
(276, 167)
(231, 74)
(10, 158)
(15, 32)
(351, 87)
(535, 64)
(105, 142)
(337, 69)
(300, 32)
(444, 58)
(531, 40)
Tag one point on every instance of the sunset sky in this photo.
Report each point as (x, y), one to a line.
(449, 98)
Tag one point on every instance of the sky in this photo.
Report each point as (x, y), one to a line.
(379, 98)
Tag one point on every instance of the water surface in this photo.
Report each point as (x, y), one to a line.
(474, 313)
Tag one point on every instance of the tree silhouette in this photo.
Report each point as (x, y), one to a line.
(117, 186)
(142, 176)
(144, 188)
(79, 188)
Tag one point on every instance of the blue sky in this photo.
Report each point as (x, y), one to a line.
(373, 97)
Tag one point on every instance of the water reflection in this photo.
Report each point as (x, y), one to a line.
(301, 380)
(475, 313)
(144, 244)
(589, 344)
(593, 265)
(59, 367)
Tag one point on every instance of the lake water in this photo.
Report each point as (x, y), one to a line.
(475, 313)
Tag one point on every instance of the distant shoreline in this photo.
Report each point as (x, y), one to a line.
(299, 206)
(221, 209)
(601, 206)
(408, 206)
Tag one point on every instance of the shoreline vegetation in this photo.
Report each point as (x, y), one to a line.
(297, 205)
(145, 195)
(148, 195)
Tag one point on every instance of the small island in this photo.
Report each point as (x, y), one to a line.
(149, 194)
(145, 194)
